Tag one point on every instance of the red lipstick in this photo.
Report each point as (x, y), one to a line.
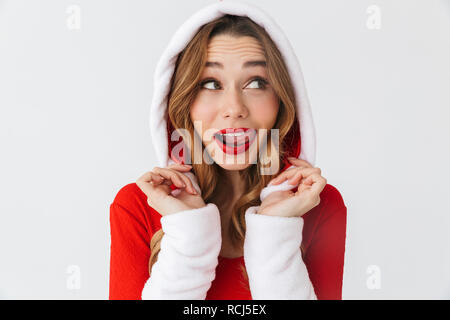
(235, 140)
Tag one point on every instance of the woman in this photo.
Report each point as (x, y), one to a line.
(248, 219)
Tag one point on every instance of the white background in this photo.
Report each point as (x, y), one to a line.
(74, 130)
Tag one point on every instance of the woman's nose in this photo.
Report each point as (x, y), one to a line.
(233, 106)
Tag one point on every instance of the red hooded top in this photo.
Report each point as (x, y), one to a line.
(133, 222)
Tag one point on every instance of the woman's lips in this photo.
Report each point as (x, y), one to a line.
(235, 136)
(235, 144)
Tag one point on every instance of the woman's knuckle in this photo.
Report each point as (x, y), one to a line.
(156, 169)
(176, 174)
(189, 182)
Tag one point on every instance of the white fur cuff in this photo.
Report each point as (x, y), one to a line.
(189, 255)
(273, 257)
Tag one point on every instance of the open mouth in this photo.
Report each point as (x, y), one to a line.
(235, 141)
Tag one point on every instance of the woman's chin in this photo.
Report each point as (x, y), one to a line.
(240, 166)
(233, 160)
(236, 162)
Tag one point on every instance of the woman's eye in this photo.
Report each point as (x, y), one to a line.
(214, 85)
(209, 84)
(261, 83)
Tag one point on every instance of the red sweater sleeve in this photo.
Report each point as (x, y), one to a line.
(133, 222)
(324, 256)
(130, 244)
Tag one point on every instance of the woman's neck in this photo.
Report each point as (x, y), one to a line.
(231, 190)
(235, 180)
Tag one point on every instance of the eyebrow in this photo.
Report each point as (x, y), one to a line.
(248, 64)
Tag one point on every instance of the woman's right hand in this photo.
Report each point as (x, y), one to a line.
(156, 185)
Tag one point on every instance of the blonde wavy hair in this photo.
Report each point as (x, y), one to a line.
(183, 90)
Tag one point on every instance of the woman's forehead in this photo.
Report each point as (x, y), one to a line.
(239, 47)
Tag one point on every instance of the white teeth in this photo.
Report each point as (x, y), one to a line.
(233, 134)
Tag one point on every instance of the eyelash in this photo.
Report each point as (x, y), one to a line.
(263, 82)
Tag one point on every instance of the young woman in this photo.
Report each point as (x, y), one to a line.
(228, 88)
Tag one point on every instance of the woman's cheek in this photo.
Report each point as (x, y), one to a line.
(202, 108)
(264, 107)
(202, 114)
(266, 114)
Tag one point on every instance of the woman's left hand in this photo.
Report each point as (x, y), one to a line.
(295, 204)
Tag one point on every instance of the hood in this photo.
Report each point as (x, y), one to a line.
(301, 138)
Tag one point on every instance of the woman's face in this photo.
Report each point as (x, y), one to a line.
(235, 94)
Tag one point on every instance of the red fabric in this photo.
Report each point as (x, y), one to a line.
(133, 222)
